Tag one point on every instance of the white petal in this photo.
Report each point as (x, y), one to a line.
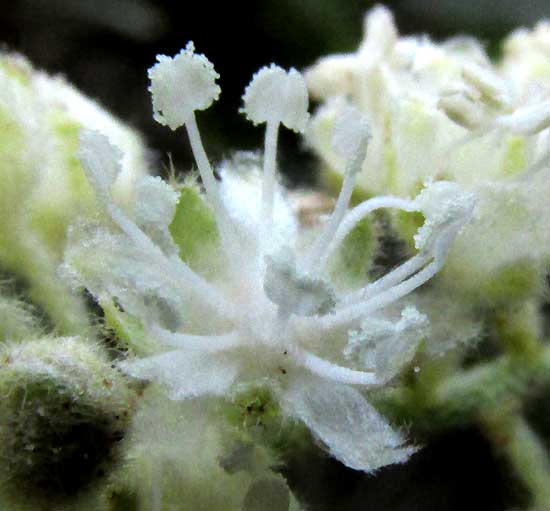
(111, 266)
(181, 85)
(387, 346)
(156, 201)
(187, 373)
(354, 432)
(275, 95)
(240, 190)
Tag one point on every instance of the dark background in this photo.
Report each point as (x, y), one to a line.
(104, 47)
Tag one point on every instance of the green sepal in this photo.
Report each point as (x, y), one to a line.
(256, 418)
(515, 282)
(128, 329)
(407, 223)
(352, 262)
(51, 218)
(17, 321)
(195, 232)
(515, 156)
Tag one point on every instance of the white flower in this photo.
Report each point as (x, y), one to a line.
(444, 111)
(269, 314)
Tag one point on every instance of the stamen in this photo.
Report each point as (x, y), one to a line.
(351, 313)
(274, 96)
(350, 139)
(180, 86)
(357, 214)
(210, 343)
(268, 183)
(190, 280)
(335, 372)
(392, 278)
(100, 160)
(209, 182)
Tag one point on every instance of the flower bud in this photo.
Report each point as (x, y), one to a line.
(63, 413)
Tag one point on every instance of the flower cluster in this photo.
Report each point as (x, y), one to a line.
(445, 111)
(243, 296)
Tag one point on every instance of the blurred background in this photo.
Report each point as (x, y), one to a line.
(104, 47)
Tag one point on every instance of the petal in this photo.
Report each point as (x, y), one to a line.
(187, 374)
(388, 345)
(110, 266)
(353, 431)
(240, 190)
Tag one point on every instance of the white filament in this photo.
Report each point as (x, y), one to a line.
(357, 214)
(350, 313)
(268, 184)
(189, 279)
(335, 372)
(209, 343)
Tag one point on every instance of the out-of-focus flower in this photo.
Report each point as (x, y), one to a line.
(444, 111)
(43, 184)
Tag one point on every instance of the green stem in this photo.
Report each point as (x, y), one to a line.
(515, 439)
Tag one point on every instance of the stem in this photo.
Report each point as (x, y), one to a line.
(526, 453)
(156, 485)
(519, 331)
